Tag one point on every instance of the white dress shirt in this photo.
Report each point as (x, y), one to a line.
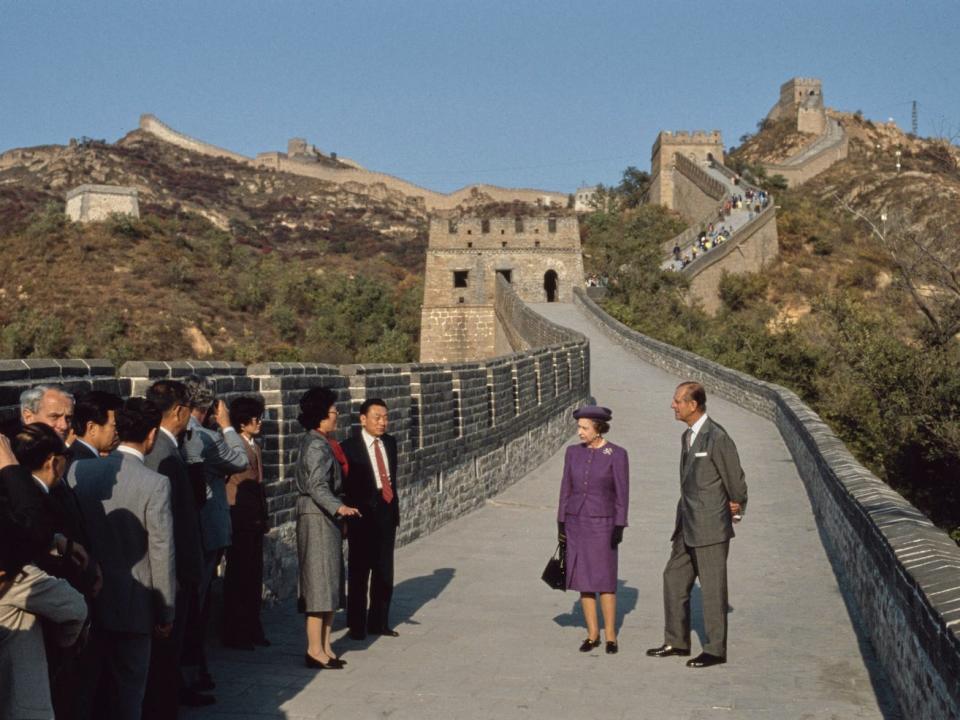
(695, 428)
(368, 440)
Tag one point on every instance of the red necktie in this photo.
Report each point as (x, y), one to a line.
(387, 491)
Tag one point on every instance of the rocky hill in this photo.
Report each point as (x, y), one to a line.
(227, 259)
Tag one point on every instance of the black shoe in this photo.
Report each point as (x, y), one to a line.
(612, 648)
(191, 698)
(357, 635)
(311, 662)
(667, 651)
(589, 645)
(386, 632)
(706, 660)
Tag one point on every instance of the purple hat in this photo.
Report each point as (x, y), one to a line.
(593, 412)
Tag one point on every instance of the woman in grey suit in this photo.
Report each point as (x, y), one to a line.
(319, 484)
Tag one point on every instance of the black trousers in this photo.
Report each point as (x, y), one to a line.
(243, 585)
(371, 540)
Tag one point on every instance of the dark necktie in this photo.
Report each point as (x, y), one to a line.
(386, 490)
(686, 445)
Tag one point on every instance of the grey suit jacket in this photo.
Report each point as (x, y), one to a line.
(317, 477)
(165, 459)
(222, 454)
(126, 508)
(710, 477)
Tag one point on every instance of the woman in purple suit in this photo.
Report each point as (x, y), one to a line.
(591, 517)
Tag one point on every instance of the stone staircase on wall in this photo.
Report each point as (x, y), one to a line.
(817, 156)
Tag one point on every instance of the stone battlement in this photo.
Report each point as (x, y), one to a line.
(464, 431)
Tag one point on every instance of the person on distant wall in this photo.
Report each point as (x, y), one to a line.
(713, 496)
(318, 479)
(211, 455)
(591, 517)
(371, 487)
(243, 580)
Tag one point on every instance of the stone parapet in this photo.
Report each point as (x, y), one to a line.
(465, 431)
(898, 570)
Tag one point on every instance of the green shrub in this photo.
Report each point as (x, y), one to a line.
(739, 290)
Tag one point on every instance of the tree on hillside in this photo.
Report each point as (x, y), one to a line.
(927, 263)
(633, 186)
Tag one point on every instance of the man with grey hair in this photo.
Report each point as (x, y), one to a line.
(48, 404)
(211, 455)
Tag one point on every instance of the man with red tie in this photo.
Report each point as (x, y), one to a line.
(370, 486)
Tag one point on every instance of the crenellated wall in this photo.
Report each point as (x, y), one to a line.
(751, 247)
(354, 174)
(900, 572)
(465, 431)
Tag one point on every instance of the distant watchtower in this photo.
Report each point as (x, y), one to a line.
(699, 146)
(90, 203)
(802, 99)
(536, 251)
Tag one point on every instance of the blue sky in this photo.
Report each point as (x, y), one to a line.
(531, 94)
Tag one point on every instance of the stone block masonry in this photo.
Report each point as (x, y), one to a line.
(465, 431)
(900, 572)
(91, 203)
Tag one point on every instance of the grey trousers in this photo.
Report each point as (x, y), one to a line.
(686, 564)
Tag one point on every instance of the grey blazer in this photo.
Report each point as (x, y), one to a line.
(317, 477)
(126, 508)
(222, 454)
(710, 477)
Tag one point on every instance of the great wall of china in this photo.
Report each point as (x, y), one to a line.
(355, 174)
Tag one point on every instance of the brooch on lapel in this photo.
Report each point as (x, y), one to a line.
(608, 451)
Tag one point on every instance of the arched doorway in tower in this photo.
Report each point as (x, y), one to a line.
(551, 285)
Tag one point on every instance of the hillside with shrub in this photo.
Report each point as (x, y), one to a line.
(860, 314)
(227, 261)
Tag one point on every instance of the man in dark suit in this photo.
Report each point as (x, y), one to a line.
(713, 496)
(94, 424)
(126, 508)
(164, 680)
(370, 487)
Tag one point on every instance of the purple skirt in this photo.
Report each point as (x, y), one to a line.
(591, 563)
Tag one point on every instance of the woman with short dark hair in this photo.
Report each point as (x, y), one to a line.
(318, 479)
(591, 516)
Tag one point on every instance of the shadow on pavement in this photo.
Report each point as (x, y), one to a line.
(626, 601)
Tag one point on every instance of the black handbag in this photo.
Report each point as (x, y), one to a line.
(555, 573)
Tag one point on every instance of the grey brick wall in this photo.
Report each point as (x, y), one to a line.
(900, 572)
(465, 431)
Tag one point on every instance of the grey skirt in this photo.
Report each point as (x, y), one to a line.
(320, 551)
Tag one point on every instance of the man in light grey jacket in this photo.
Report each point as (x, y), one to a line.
(713, 496)
(212, 456)
(126, 508)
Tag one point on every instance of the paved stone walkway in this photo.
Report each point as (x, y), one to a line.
(482, 637)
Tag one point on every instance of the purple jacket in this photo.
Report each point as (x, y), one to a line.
(596, 483)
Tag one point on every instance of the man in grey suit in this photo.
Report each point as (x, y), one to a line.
(713, 496)
(126, 507)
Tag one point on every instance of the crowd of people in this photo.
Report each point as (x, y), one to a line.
(116, 516)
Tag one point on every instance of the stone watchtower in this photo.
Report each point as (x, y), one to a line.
(90, 203)
(699, 146)
(802, 99)
(536, 251)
